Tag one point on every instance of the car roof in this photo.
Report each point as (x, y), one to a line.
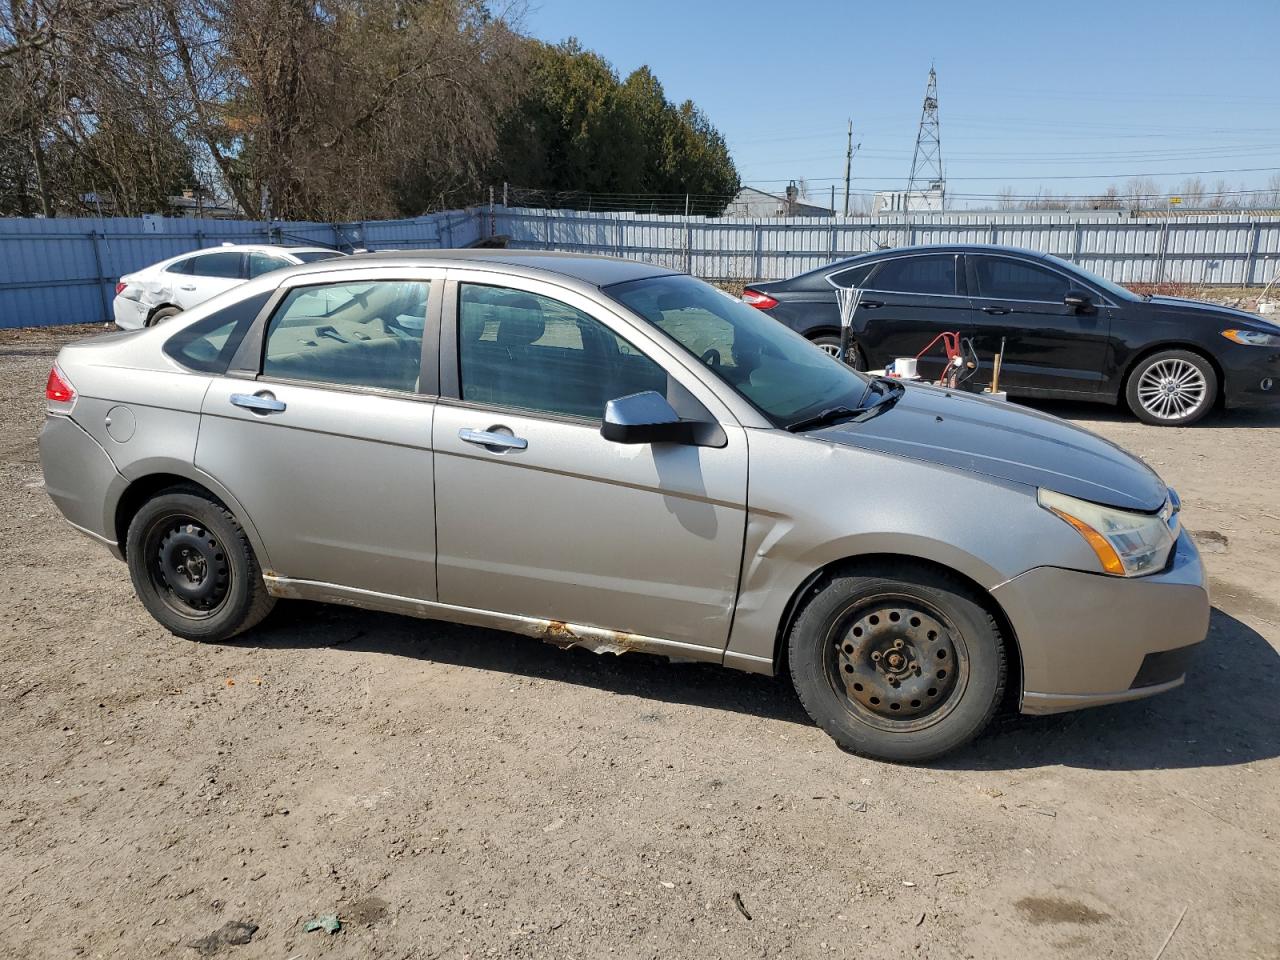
(588, 269)
(932, 248)
(253, 248)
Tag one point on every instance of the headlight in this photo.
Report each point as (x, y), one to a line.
(1253, 338)
(1127, 544)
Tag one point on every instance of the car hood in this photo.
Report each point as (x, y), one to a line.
(1210, 311)
(997, 439)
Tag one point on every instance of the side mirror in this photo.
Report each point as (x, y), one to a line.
(1078, 300)
(645, 418)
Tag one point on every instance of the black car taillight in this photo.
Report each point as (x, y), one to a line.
(761, 301)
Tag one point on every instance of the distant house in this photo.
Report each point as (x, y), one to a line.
(887, 202)
(750, 202)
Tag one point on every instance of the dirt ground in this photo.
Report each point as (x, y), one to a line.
(452, 792)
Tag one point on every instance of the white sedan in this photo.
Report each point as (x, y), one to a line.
(160, 291)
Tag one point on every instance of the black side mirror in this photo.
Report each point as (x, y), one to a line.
(645, 418)
(1078, 300)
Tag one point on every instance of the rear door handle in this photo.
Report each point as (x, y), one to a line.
(491, 438)
(258, 403)
(995, 311)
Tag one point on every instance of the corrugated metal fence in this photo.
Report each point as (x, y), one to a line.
(1213, 250)
(64, 270)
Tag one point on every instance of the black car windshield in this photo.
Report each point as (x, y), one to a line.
(780, 373)
(1107, 286)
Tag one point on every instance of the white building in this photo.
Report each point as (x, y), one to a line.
(918, 201)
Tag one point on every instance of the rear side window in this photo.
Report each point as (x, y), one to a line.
(854, 277)
(209, 344)
(1005, 279)
(225, 265)
(365, 334)
(932, 274)
(182, 266)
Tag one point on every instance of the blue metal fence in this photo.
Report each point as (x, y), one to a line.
(64, 270)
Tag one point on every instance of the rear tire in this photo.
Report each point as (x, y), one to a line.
(905, 665)
(1172, 388)
(163, 314)
(193, 568)
(831, 344)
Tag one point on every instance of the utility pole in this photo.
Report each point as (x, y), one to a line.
(848, 165)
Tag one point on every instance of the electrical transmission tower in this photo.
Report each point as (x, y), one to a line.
(927, 188)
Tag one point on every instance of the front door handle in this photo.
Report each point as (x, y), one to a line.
(995, 311)
(192, 287)
(491, 438)
(258, 402)
(870, 304)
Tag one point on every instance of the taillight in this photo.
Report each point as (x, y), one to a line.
(57, 389)
(121, 286)
(761, 301)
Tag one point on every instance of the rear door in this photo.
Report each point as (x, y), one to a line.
(552, 521)
(322, 430)
(1048, 346)
(209, 275)
(906, 302)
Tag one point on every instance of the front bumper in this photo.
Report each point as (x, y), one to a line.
(1251, 376)
(1089, 639)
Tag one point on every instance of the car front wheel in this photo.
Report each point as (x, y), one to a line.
(193, 568)
(904, 665)
(1173, 388)
(831, 344)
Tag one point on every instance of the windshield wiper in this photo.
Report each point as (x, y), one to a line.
(892, 390)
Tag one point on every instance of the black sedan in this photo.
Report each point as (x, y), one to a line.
(1067, 333)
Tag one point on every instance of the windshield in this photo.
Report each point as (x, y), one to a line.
(780, 373)
(1114, 289)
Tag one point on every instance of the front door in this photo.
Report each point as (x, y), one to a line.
(209, 275)
(537, 514)
(1048, 345)
(906, 302)
(328, 447)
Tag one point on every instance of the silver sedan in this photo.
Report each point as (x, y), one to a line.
(609, 455)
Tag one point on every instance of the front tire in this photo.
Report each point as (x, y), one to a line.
(831, 344)
(1172, 388)
(903, 666)
(193, 568)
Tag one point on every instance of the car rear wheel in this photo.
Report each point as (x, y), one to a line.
(163, 314)
(1173, 388)
(193, 568)
(831, 344)
(902, 666)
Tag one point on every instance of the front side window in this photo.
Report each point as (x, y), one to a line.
(314, 256)
(932, 274)
(260, 263)
(225, 265)
(366, 334)
(522, 350)
(1004, 279)
(779, 372)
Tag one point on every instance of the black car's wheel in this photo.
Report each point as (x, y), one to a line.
(193, 568)
(163, 314)
(831, 344)
(1172, 388)
(903, 666)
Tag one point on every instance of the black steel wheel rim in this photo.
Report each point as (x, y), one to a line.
(188, 566)
(898, 663)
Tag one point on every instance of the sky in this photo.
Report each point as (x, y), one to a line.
(1033, 95)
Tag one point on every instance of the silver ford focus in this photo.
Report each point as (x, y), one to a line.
(606, 454)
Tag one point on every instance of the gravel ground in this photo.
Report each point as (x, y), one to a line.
(453, 792)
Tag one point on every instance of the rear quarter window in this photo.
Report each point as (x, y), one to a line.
(208, 345)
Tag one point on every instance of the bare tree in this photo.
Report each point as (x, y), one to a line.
(1007, 199)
